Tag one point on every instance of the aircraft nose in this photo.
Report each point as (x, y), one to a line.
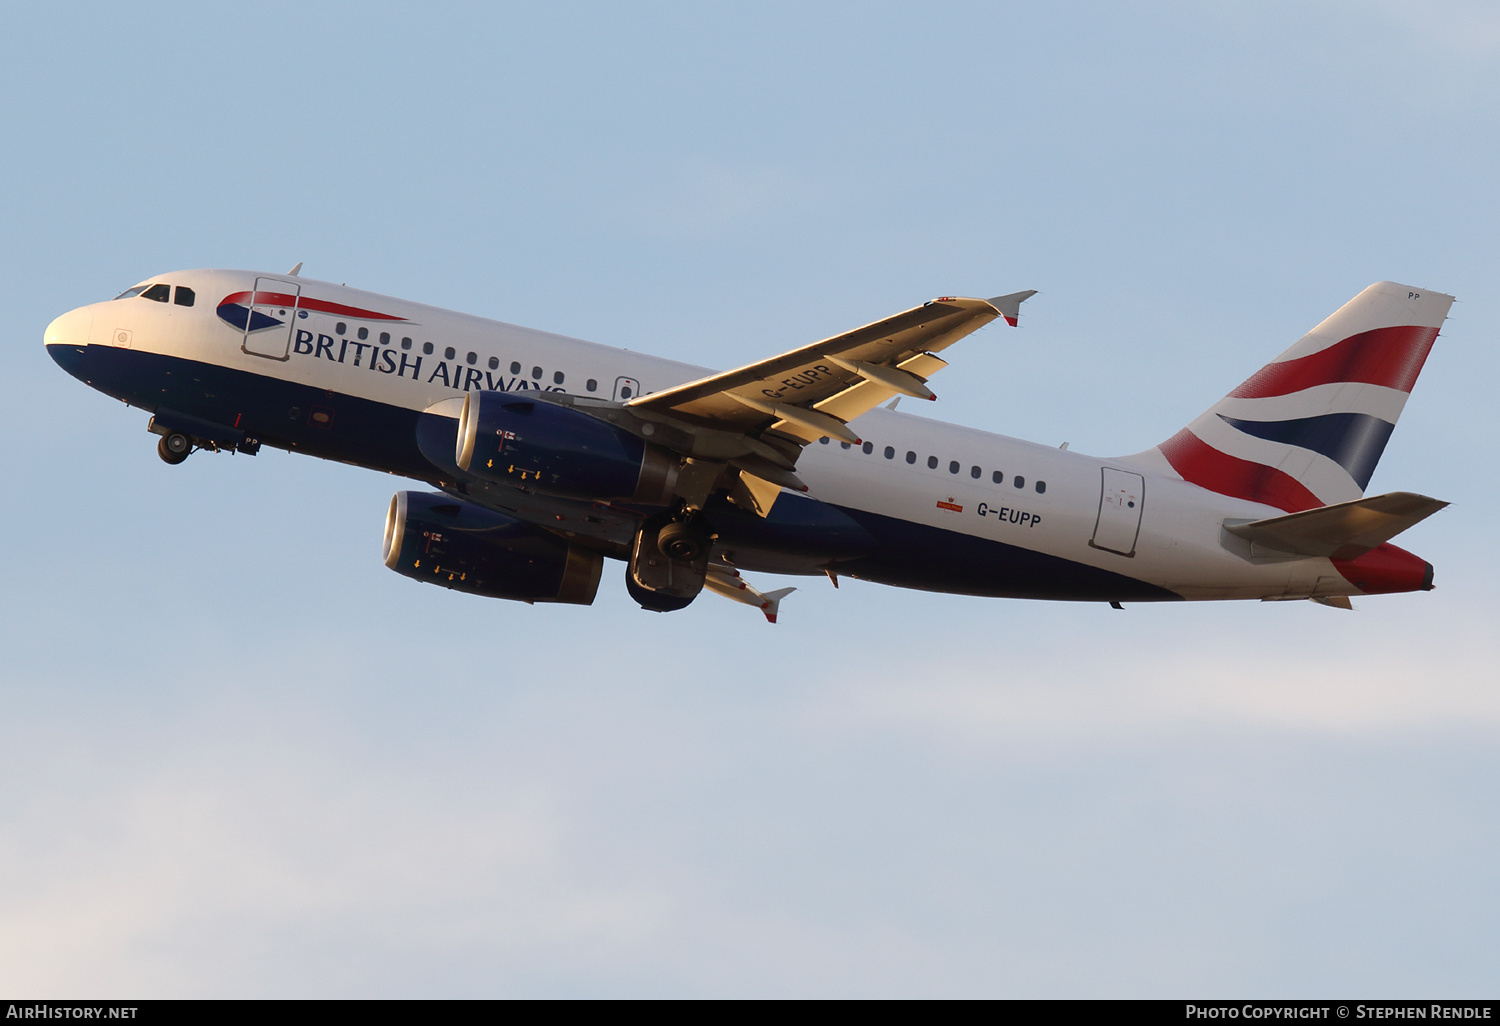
(67, 340)
(71, 329)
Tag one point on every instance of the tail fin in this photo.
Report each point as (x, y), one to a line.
(1307, 429)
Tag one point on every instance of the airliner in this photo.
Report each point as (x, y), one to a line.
(547, 455)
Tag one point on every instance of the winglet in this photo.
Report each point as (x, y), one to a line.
(726, 581)
(773, 602)
(295, 270)
(1010, 306)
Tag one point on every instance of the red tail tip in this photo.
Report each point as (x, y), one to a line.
(1386, 569)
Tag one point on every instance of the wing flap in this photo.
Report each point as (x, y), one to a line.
(808, 425)
(863, 397)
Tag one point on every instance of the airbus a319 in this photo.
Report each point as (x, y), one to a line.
(548, 455)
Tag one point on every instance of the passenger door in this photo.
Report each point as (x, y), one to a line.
(273, 317)
(1121, 499)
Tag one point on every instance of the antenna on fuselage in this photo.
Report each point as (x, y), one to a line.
(293, 272)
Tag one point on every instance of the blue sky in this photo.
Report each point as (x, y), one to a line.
(243, 758)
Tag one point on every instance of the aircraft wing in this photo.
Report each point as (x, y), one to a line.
(817, 389)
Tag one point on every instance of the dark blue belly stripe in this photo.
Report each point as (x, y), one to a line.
(912, 555)
(280, 413)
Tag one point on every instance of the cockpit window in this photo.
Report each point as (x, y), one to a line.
(160, 293)
(185, 296)
(132, 293)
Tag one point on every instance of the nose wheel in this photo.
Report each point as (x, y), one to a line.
(174, 448)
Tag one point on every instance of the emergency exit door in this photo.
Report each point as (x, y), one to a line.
(1121, 498)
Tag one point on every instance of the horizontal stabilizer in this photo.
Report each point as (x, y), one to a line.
(1010, 306)
(1345, 531)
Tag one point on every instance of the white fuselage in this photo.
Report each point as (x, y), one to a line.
(1046, 500)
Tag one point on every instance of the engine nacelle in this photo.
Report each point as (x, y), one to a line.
(559, 450)
(441, 540)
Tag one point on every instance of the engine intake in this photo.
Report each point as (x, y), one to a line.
(559, 450)
(442, 540)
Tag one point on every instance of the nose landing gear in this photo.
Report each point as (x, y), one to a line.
(181, 434)
(174, 448)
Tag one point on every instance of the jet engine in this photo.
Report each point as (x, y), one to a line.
(559, 450)
(442, 540)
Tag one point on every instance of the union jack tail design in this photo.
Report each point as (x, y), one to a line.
(1307, 429)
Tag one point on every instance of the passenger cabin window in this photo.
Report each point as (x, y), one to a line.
(890, 452)
(845, 444)
(426, 348)
(953, 467)
(364, 333)
(911, 457)
(159, 293)
(515, 367)
(823, 440)
(536, 372)
(974, 472)
(184, 296)
(132, 293)
(557, 377)
(494, 363)
(997, 477)
(385, 338)
(591, 384)
(932, 463)
(1020, 481)
(406, 343)
(868, 447)
(340, 328)
(449, 353)
(1041, 487)
(472, 359)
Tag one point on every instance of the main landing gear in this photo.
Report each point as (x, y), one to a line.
(684, 541)
(669, 561)
(174, 447)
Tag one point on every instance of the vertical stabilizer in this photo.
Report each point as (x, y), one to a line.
(1307, 429)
